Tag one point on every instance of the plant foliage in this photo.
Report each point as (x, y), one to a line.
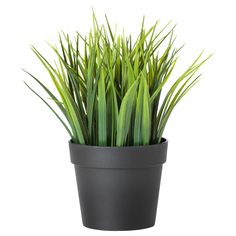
(109, 86)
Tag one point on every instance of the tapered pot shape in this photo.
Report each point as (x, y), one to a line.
(118, 186)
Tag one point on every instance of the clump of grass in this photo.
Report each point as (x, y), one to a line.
(109, 92)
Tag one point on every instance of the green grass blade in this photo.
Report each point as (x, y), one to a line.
(139, 114)
(179, 95)
(102, 129)
(146, 121)
(68, 101)
(125, 112)
(63, 123)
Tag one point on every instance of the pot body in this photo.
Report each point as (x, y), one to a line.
(118, 186)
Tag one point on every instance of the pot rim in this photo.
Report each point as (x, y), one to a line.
(118, 157)
(164, 141)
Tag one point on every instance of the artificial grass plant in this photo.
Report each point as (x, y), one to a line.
(109, 86)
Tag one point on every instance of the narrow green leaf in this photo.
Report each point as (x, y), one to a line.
(146, 121)
(139, 114)
(63, 123)
(125, 112)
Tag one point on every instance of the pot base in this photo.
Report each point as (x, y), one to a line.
(119, 229)
(118, 199)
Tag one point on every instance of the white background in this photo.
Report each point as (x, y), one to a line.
(38, 193)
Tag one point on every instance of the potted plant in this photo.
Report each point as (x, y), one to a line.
(109, 99)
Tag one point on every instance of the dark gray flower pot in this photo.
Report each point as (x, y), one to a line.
(118, 186)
